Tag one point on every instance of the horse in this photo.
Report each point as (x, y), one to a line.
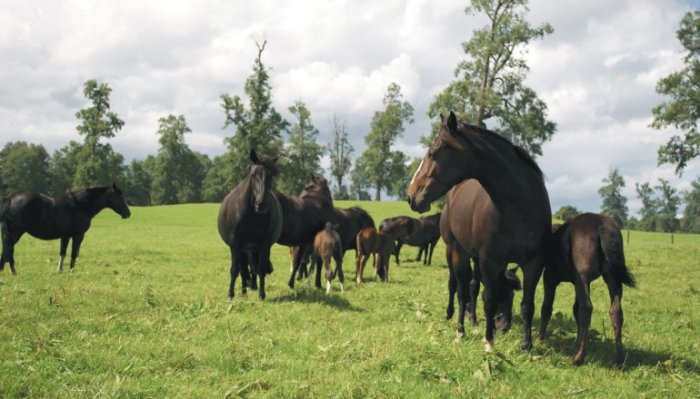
(464, 225)
(351, 221)
(327, 245)
(425, 235)
(579, 252)
(303, 217)
(67, 217)
(381, 245)
(250, 221)
(519, 208)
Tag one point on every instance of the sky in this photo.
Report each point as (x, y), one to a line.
(596, 72)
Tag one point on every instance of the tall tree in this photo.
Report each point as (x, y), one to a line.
(566, 213)
(64, 162)
(217, 181)
(614, 203)
(489, 85)
(648, 212)
(691, 214)
(380, 162)
(339, 150)
(138, 182)
(178, 172)
(258, 126)
(683, 110)
(668, 203)
(360, 183)
(303, 155)
(24, 167)
(97, 164)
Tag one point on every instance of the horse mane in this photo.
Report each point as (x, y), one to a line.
(271, 165)
(84, 195)
(519, 151)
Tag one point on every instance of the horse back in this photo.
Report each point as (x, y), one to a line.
(41, 216)
(302, 219)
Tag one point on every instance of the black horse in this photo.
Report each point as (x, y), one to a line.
(67, 217)
(351, 221)
(425, 235)
(250, 221)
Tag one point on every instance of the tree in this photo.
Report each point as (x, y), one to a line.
(360, 186)
(137, 185)
(259, 126)
(97, 163)
(691, 214)
(489, 83)
(24, 167)
(614, 203)
(647, 215)
(64, 162)
(339, 150)
(217, 181)
(683, 110)
(303, 155)
(566, 213)
(668, 203)
(380, 163)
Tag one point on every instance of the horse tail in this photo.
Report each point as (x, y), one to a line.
(611, 243)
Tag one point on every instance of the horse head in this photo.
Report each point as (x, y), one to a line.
(261, 173)
(504, 314)
(116, 201)
(317, 187)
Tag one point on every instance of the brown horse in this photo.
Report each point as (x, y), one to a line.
(351, 221)
(425, 235)
(327, 245)
(67, 217)
(250, 221)
(303, 217)
(521, 215)
(467, 219)
(579, 252)
(380, 244)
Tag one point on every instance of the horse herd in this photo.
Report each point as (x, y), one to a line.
(496, 212)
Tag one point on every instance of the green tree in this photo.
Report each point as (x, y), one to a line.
(64, 162)
(138, 181)
(566, 213)
(360, 181)
(259, 126)
(178, 171)
(217, 182)
(648, 213)
(668, 203)
(339, 150)
(683, 110)
(303, 155)
(614, 203)
(24, 167)
(489, 83)
(690, 222)
(383, 167)
(97, 164)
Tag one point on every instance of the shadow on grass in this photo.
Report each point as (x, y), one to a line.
(600, 348)
(312, 295)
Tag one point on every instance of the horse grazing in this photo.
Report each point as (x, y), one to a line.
(67, 217)
(425, 235)
(380, 244)
(351, 221)
(327, 245)
(250, 221)
(519, 208)
(466, 225)
(579, 252)
(303, 217)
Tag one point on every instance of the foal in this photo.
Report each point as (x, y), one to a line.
(327, 245)
(381, 245)
(579, 252)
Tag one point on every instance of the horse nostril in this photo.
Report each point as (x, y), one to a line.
(408, 199)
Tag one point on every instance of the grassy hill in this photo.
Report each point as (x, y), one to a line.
(145, 315)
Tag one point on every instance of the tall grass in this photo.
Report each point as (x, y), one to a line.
(145, 315)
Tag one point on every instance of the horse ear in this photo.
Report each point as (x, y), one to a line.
(114, 186)
(254, 156)
(442, 119)
(452, 121)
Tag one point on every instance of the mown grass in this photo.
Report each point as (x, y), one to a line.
(145, 315)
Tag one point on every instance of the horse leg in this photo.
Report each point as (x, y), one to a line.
(584, 308)
(321, 261)
(296, 262)
(451, 284)
(532, 271)
(462, 274)
(249, 272)
(616, 317)
(397, 250)
(474, 287)
(235, 269)
(62, 253)
(550, 289)
(419, 257)
(339, 270)
(329, 273)
(432, 248)
(261, 266)
(490, 303)
(75, 249)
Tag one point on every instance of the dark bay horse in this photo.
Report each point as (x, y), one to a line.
(425, 235)
(250, 221)
(351, 221)
(327, 246)
(465, 225)
(579, 252)
(520, 208)
(380, 244)
(67, 217)
(303, 217)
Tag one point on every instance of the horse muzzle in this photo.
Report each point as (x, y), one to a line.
(418, 205)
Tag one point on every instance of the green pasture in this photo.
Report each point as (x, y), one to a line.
(145, 315)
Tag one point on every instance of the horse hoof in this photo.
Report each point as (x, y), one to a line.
(488, 346)
(230, 297)
(526, 346)
(577, 361)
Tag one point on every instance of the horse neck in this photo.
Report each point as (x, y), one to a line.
(392, 232)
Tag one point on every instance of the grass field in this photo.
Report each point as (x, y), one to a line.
(145, 315)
